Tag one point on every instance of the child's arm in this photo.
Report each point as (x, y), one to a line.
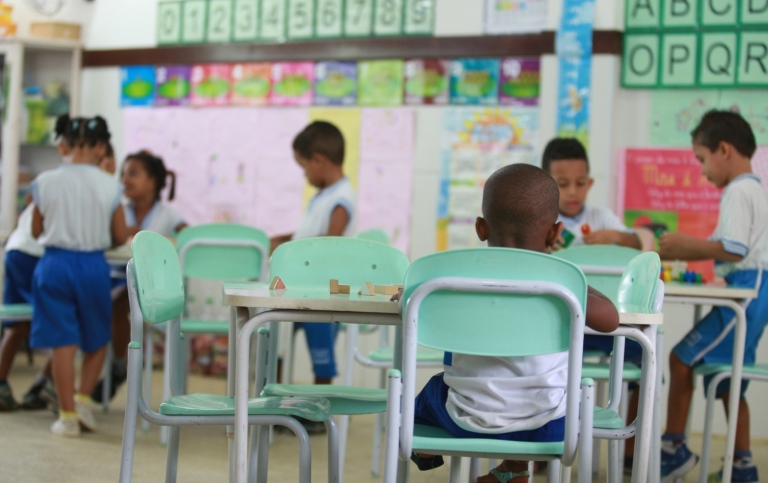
(613, 237)
(278, 240)
(339, 220)
(37, 223)
(118, 228)
(601, 315)
(679, 246)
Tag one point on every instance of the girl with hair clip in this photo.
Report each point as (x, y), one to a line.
(77, 216)
(144, 178)
(22, 252)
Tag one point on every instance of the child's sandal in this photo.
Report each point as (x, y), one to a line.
(426, 464)
(508, 476)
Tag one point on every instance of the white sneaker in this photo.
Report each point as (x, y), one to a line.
(68, 428)
(85, 417)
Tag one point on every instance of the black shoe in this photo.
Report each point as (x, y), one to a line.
(426, 464)
(118, 378)
(33, 401)
(311, 427)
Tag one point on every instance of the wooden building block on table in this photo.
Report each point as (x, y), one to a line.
(387, 289)
(367, 289)
(336, 288)
(277, 284)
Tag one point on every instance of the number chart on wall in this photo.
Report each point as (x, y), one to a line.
(217, 21)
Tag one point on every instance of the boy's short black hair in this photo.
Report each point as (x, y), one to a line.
(518, 199)
(725, 126)
(563, 148)
(320, 137)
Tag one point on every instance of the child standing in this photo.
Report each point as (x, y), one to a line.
(480, 396)
(144, 179)
(724, 144)
(319, 150)
(22, 252)
(77, 215)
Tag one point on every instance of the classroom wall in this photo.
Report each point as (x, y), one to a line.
(618, 119)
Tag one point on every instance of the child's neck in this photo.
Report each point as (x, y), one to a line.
(331, 178)
(142, 205)
(740, 168)
(83, 160)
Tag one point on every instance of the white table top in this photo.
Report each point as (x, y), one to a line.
(707, 291)
(258, 295)
(119, 255)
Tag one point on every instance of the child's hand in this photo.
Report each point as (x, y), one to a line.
(675, 246)
(601, 237)
(397, 296)
(558, 244)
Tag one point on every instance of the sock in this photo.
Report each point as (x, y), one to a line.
(742, 458)
(67, 415)
(671, 441)
(83, 399)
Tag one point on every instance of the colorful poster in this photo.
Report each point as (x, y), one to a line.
(475, 143)
(574, 50)
(211, 84)
(474, 82)
(335, 83)
(667, 192)
(520, 81)
(380, 82)
(251, 84)
(292, 83)
(676, 112)
(426, 81)
(514, 16)
(172, 85)
(386, 167)
(137, 85)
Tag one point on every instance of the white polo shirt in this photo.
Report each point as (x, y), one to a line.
(598, 218)
(21, 238)
(161, 218)
(317, 218)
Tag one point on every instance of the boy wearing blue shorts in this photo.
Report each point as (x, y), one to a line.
(724, 143)
(509, 398)
(77, 216)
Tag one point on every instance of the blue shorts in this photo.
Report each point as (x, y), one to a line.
(320, 339)
(711, 340)
(19, 268)
(430, 410)
(72, 300)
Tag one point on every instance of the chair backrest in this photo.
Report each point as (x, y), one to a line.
(310, 263)
(602, 264)
(477, 323)
(223, 251)
(374, 234)
(640, 281)
(157, 274)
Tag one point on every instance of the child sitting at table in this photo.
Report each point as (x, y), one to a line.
(509, 398)
(319, 150)
(724, 144)
(77, 215)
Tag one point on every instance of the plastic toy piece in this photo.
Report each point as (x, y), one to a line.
(568, 237)
(387, 289)
(367, 289)
(585, 229)
(277, 284)
(336, 288)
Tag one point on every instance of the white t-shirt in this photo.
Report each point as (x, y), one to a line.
(77, 202)
(499, 395)
(742, 226)
(318, 215)
(21, 238)
(161, 218)
(597, 218)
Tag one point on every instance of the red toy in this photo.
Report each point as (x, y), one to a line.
(585, 229)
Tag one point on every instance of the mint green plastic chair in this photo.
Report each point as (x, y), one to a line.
(156, 295)
(491, 302)
(16, 312)
(216, 251)
(309, 264)
(374, 234)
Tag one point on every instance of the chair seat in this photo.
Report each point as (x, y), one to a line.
(344, 399)
(607, 419)
(16, 312)
(202, 326)
(715, 368)
(387, 354)
(431, 438)
(202, 404)
(596, 370)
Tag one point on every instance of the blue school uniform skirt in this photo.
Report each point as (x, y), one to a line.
(71, 296)
(19, 267)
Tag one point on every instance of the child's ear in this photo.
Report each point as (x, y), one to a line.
(554, 233)
(590, 183)
(481, 227)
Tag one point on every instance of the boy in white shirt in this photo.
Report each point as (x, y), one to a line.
(509, 398)
(77, 216)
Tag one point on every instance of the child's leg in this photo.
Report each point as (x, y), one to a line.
(680, 394)
(320, 339)
(742, 424)
(64, 376)
(121, 328)
(13, 336)
(91, 370)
